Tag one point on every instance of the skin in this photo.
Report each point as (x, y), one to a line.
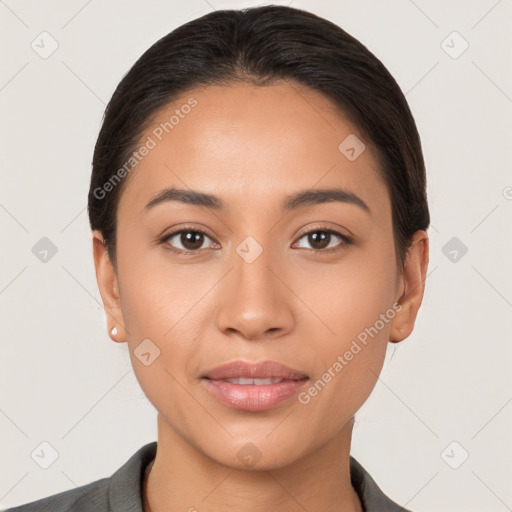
(252, 147)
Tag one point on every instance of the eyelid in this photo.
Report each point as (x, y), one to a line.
(325, 226)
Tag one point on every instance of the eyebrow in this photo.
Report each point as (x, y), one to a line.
(302, 199)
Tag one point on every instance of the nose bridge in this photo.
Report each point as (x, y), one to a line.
(251, 270)
(253, 301)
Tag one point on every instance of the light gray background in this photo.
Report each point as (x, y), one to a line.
(63, 381)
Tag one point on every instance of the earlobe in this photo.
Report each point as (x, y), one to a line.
(414, 275)
(107, 283)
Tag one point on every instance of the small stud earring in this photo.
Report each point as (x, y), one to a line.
(114, 331)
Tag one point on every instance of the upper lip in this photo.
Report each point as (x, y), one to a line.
(257, 370)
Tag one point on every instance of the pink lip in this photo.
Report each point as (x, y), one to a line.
(258, 370)
(253, 397)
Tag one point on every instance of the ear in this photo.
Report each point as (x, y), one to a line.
(109, 289)
(410, 294)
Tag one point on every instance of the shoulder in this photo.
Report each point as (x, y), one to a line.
(120, 492)
(92, 496)
(372, 497)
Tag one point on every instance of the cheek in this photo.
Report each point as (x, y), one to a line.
(170, 312)
(167, 304)
(343, 385)
(350, 295)
(356, 315)
(353, 303)
(158, 292)
(349, 361)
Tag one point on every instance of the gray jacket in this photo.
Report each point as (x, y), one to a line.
(122, 491)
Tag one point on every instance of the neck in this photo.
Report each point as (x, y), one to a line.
(183, 478)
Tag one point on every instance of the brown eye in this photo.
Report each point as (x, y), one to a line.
(186, 240)
(323, 240)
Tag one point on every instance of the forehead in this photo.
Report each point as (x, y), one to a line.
(252, 143)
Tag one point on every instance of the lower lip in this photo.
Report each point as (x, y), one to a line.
(252, 397)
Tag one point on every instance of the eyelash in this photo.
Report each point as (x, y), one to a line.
(346, 240)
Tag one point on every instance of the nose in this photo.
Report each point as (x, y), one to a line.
(254, 302)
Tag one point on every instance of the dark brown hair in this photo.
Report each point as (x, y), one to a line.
(259, 46)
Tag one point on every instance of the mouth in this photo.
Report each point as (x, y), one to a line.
(253, 386)
(258, 371)
(247, 381)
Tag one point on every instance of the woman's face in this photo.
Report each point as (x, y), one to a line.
(266, 281)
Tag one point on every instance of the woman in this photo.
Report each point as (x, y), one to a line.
(258, 209)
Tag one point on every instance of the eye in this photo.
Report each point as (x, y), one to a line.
(324, 240)
(186, 240)
(192, 240)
